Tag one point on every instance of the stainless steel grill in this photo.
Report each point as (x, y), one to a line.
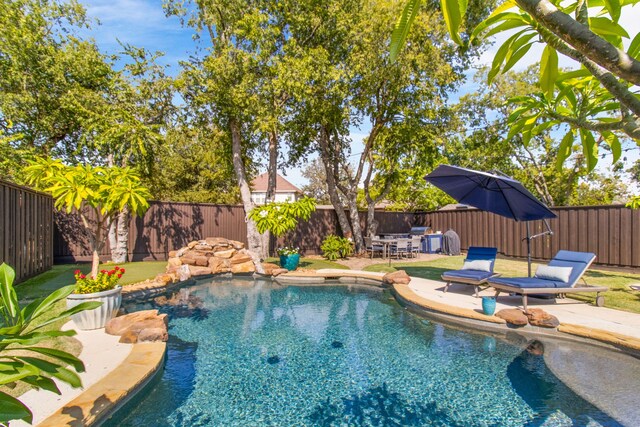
(419, 231)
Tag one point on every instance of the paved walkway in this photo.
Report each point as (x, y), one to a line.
(566, 310)
(101, 354)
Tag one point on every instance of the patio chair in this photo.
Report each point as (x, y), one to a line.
(416, 242)
(559, 277)
(373, 248)
(400, 247)
(476, 270)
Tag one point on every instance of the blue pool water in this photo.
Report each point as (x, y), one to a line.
(245, 353)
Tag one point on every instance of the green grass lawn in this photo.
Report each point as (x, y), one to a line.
(312, 263)
(62, 275)
(619, 296)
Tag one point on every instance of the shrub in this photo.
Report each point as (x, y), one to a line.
(334, 247)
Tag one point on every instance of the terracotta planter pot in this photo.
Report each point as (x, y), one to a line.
(98, 317)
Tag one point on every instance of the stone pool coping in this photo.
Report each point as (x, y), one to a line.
(145, 361)
(105, 397)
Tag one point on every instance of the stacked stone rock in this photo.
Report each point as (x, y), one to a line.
(213, 255)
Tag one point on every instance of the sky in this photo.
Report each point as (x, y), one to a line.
(142, 23)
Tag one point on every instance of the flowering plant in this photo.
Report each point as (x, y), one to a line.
(104, 281)
(288, 251)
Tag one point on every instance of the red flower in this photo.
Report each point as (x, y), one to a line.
(103, 271)
(117, 268)
(82, 276)
(77, 272)
(119, 276)
(109, 273)
(122, 271)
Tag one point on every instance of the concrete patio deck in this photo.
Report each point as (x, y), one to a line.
(567, 310)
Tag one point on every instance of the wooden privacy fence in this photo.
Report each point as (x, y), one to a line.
(26, 230)
(611, 232)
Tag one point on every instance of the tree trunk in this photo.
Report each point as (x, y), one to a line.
(332, 188)
(270, 196)
(253, 237)
(355, 222)
(119, 252)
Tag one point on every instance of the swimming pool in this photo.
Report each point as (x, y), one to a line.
(253, 353)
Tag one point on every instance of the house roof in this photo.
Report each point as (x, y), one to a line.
(261, 182)
(455, 207)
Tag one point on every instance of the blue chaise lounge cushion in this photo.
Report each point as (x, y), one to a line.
(529, 282)
(468, 274)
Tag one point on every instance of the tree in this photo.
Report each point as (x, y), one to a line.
(317, 186)
(480, 140)
(103, 191)
(598, 98)
(21, 358)
(62, 97)
(46, 75)
(353, 83)
(193, 166)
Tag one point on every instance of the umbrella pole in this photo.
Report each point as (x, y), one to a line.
(528, 249)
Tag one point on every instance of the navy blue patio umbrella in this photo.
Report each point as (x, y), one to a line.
(494, 193)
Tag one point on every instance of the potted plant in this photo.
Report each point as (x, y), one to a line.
(281, 218)
(105, 289)
(289, 257)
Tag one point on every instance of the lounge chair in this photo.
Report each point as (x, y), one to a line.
(559, 277)
(477, 269)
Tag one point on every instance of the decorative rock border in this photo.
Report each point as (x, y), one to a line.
(105, 397)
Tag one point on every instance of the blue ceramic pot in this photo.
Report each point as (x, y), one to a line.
(290, 262)
(489, 305)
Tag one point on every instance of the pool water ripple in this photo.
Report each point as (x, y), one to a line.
(255, 354)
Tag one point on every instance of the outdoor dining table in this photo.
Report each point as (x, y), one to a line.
(386, 246)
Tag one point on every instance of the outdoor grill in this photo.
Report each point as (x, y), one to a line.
(419, 231)
(429, 243)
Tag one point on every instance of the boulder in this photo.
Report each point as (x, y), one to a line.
(173, 254)
(174, 262)
(180, 252)
(240, 258)
(236, 244)
(539, 317)
(136, 321)
(184, 273)
(165, 279)
(513, 316)
(192, 244)
(269, 267)
(227, 253)
(128, 337)
(217, 265)
(278, 271)
(202, 261)
(202, 247)
(188, 260)
(400, 277)
(244, 267)
(153, 335)
(199, 271)
(207, 254)
(217, 241)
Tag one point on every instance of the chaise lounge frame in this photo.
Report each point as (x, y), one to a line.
(473, 253)
(561, 292)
